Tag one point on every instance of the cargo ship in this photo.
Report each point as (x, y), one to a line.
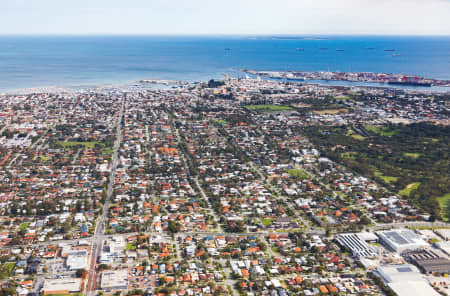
(410, 83)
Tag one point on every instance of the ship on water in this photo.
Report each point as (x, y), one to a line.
(411, 83)
(390, 49)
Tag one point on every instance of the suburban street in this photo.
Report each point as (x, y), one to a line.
(97, 239)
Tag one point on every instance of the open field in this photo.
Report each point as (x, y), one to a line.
(131, 247)
(298, 173)
(108, 150)
(85, 144)
(412, 155)
(331, 111)
(302, 105)
(266, 221)
(382, 131)
(24, 226)
(349, 155)
(220, 121)
(409, 188)
(351, 133)
(358, 137)
(6, 269)
(387, 179)
(341, 98)
(67, 294)
(444, 204)
(269, 108)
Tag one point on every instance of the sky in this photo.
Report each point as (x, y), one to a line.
(228, 17)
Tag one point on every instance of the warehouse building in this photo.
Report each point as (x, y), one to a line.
(356, 245)
(401, 240)
(61, 286)
(405, 280)
(429, 261)
(114, 280)
(77, 260)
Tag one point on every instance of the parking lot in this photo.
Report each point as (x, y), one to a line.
(142, 282)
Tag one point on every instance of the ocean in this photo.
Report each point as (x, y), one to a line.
(38, 61)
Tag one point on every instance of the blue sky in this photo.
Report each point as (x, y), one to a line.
(194, 17)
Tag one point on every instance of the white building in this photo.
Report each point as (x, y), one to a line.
(401, 240)
(77, 260)
(62, 286)
(405, 280)
(114, 280)
(356, 245)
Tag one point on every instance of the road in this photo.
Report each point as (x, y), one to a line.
(409, 224)
(97, 239)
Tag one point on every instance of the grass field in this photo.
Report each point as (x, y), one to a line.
(408, 189)
(412, 155)
(358, 137)
(387, 179)
(266, 221)
(24, 225)
(6, 269)
(220, 121)
(349, 155)
(351, 133)
(383, 131)
(443, 203)
(85, 144)
(341, 98)
(67, 294)
(108, 150)
(131, 247)
(298, 173)
(269, 108)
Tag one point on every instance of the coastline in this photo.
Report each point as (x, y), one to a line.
(142, 84)
(152, 84)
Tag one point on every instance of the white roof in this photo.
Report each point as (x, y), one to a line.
(114, 279)
(407, 288)
(405, 280)
(71, 285)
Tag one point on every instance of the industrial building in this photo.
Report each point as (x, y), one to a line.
(405, 280)
(61, 286)
(401, 240)
(77, 260)
(429, 261)
(356, 245)
(114, 280)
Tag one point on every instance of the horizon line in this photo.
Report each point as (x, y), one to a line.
(297, 35)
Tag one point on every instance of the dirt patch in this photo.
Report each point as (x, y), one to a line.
(331, 111)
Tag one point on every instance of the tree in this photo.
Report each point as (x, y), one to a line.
(79, 273)
(7, 292)
(174, 227)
